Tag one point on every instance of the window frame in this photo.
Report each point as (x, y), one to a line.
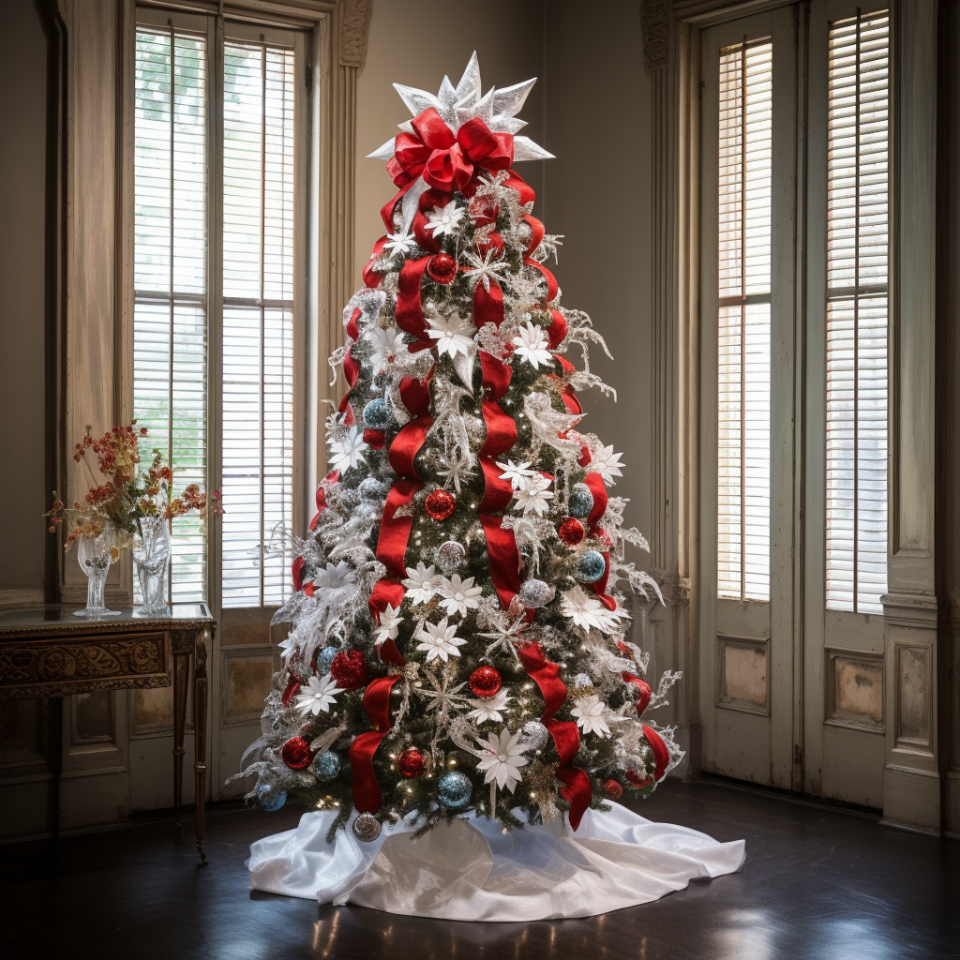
(218, 32)
(316, 318)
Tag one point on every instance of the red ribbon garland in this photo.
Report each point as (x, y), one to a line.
(566, 736)
(497, 492)
(367, 796)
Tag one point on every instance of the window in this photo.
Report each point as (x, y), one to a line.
(218, 264)
(857, 285)
(744, 301)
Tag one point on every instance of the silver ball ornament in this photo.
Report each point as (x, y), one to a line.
(534, 735)
(536, 593)
(454, 790)
(581, 501)
(377, 414)
(592, 566)
(325, 658)
(326, 765)
(450, 556)
(366, 827)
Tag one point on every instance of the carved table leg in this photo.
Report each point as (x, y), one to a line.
(181, 665)
(200, 733)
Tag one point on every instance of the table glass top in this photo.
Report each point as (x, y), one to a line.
(55, 614)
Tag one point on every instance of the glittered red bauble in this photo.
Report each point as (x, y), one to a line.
(296, 753)
(291, 690)
(638, 782)
(485, 681)
(661, 755)
(442, 268)
(411, 763)
(613, 789)
(572, 531)
(440, 505)
(349, 669)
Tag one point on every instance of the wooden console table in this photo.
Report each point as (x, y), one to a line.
(48, 652)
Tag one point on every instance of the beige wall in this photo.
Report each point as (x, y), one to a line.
(25, 410)
(598, 195)
(416, 42)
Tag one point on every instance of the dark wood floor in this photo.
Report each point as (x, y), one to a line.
(818, 884)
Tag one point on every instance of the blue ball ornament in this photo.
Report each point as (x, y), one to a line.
(454, 790)
(271, 797)
(325, 658)
(592, 566)
(377, 415)
(581, 501)
(326, 765)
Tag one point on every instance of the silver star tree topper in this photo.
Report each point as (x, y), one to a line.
(498, 109)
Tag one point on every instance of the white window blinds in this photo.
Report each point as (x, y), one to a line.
(218, 290)
(745, 182)
(170, 275)
(857, 278)
(258, 328)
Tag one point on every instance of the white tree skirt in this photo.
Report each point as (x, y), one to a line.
(471, 870)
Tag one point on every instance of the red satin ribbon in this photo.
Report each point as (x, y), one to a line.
(501, 435)
(367, 796)
(566, 735)
(546, 675)
(370, 276)
(394, 530)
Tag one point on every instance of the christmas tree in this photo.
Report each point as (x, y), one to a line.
(458, 641)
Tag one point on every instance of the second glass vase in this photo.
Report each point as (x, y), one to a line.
(151, 554)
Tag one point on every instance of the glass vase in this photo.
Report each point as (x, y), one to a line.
(151, 555)
(95, 554)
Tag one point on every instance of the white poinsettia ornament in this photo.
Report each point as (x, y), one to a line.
(453, 334)
(333, 576)
(348, 451)
(533, 495)
(586, 611)
(502, 759)
(531, 344)
(421, 583)
(489, 708)
(389, 628)
(458, 596)
(589, 713)
(318, 697)
(516, 473)
(439, 640)
(443, 221)
(386, 347)
(607, 463)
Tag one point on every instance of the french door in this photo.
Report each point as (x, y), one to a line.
(794, 290)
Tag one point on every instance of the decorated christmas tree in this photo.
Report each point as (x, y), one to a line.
(458, 640)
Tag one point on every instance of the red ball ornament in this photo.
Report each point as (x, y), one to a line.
(296, 753)
(572, 531)
(440, 505)
(485, 681)
(613, 789)
(349, 669)
(442, 268)
(411, 763)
